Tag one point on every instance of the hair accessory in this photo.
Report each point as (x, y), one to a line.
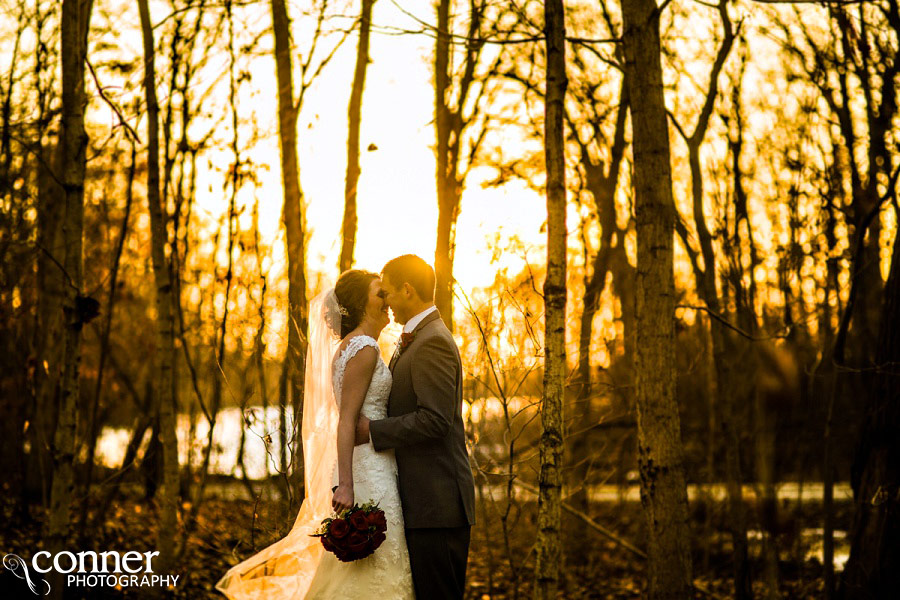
(343, 310)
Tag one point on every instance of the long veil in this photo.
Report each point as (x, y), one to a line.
(284, 570)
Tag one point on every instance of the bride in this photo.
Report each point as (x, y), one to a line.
(345, 378)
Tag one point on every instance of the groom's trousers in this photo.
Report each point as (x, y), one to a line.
(438, 559)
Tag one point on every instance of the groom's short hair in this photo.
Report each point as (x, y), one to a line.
(411, 269)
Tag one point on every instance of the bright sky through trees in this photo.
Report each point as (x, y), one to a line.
(397, 200)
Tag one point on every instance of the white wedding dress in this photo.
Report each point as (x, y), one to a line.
(386, 574)
(296, 567)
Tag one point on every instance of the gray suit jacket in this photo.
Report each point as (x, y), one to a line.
(425, 428)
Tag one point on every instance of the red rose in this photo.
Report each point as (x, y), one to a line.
(359, 521)
(377, 539)
(339, 528)
(406, 339)
(357, 542)
(352, 538)
(343, 556)
(378, 519)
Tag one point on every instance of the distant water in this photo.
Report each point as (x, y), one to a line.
(262, 457)
(787, 491)
(262, 446)
(262, 442)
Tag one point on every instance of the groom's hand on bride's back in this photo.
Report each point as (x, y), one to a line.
(362, 430)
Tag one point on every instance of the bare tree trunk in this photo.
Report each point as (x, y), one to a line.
(728, 390)
(164, 393)
(602, 186)
(259, 347)
(447, 189)
(660, 455)
(295, 231)
(548, 553)
(283, 469)
(833, 392)
(6, 155)
(610, 258)
(141, 424)
(729, 420)
(51, 281)
(722, 345)
(94, 425)
(219, 354)
(75, 23)
(767, 504)
(454, 114)
(871, 571)
(354, 113)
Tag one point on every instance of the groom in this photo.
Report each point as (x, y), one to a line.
(425, 427)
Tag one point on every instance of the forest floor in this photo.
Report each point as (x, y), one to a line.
(594, 567)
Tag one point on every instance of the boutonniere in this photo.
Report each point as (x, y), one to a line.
(406, 339)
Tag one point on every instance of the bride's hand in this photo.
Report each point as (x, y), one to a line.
(343, 498)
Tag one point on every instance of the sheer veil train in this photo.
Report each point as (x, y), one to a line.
(284, 570)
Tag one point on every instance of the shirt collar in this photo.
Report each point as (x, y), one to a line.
(414, 322)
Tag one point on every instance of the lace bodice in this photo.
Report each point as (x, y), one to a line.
(375, 404)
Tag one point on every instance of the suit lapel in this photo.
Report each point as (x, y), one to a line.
(394, 357)
(435, 314)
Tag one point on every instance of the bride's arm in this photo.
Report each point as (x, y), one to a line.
(357, 376)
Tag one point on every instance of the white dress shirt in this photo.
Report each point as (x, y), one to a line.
(414, 322)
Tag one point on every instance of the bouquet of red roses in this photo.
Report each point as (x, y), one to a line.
(355, 533)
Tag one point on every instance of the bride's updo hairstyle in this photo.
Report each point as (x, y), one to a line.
(352, 293)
